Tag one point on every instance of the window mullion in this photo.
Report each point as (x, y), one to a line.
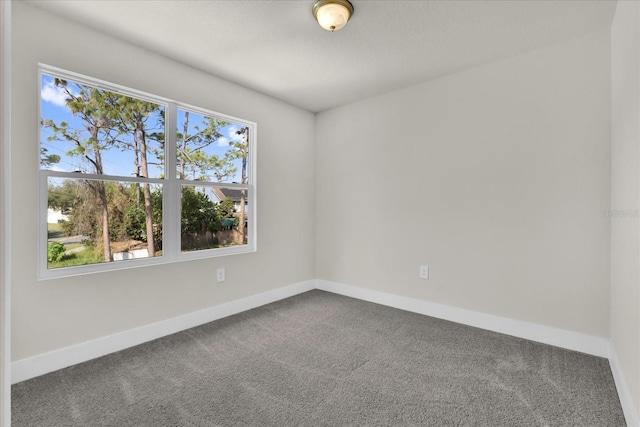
(171, 199)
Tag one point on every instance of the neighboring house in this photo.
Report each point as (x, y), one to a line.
(233, 194)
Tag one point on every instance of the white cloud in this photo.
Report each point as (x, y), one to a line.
(223, 141)
(53, 94)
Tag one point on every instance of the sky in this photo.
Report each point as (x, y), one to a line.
(116, 161)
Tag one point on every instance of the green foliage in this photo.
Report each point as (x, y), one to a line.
(156, 205)
(55, 251)
(94, 108)
(47, 160)
(84, 216)
(227, 214)
(63, 197)
(134, 222)
(67, 228)
(199, 214)
(226, 209)
(125, 207)
(119, 198)
(135, 218)
(193, 161)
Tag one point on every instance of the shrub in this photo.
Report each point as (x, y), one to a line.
(55, 251)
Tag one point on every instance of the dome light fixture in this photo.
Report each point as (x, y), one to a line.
(332, 14)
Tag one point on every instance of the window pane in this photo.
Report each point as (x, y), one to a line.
(91, 130)
(103, 151)
(211, 149)
(213, 217)
(78, 233)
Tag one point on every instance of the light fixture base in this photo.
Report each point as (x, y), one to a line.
(332, 14)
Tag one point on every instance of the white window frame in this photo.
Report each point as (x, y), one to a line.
(171, 202)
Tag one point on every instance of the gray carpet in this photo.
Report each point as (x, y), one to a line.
(319, 359)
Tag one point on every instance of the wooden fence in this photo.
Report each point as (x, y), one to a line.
(210, 240)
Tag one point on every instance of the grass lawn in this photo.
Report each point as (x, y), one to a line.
(88, 256)
(54, 230)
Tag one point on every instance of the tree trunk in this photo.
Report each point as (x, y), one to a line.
(241, 224)
(148, 208)
(184, 144)
(102, 194)
(148, 212)
(136, 160)
(106, 241)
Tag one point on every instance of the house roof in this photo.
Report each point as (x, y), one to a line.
(228, 193)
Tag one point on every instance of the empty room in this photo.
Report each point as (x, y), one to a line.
(320, 212)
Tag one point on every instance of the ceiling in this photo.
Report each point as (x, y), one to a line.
(276, 47)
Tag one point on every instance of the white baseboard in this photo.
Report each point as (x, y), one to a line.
(628, 407)
(544, 334)
(41, 364)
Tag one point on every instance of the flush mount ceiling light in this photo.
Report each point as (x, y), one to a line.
(332, 14)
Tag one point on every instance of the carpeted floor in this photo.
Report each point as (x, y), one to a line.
(319, 359)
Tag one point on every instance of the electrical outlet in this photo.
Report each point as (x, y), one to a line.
(424, 271)
(220, 275)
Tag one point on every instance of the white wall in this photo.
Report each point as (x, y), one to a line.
(53, 314)
(496, 177)
(625, 195)
(5, 252)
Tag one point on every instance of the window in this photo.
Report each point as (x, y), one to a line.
(130, 179)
